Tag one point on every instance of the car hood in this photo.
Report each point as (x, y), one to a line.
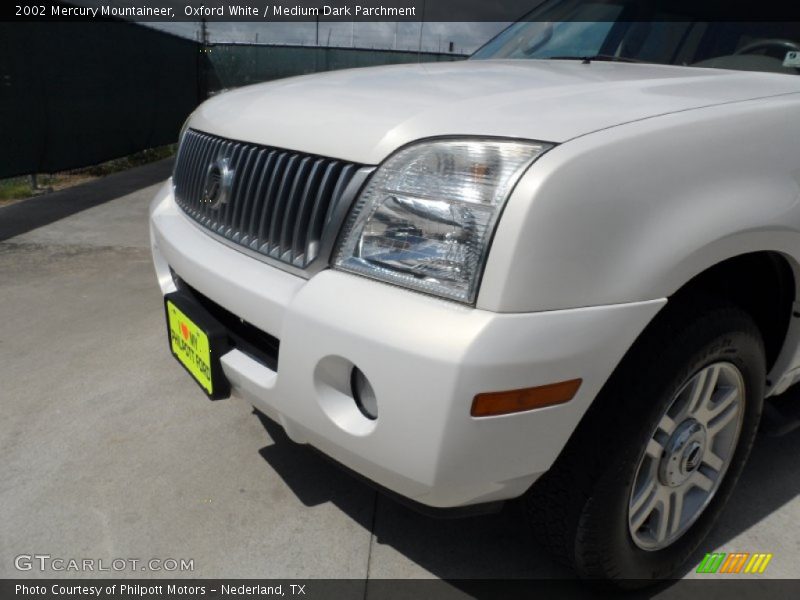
(362, 115)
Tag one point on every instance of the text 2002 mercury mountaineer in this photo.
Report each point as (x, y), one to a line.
(565, 270)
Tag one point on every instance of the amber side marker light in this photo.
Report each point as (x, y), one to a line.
(492, 404)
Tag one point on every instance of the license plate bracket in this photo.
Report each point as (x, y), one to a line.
(197, 341)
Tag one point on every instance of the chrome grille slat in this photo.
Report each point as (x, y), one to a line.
(192, 168)
(231, 150)
(300, 233)
(250, 225)
(271, 244)
(319, 210)
(269, 200)
(208, 156)
(290, 214)
(194, 160)
(180, 160)
(248, 186)
(220, 149)
(345, 176)
(203, 156)
(277, 203)
(243, 165)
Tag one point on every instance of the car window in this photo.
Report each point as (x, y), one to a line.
(619, 30)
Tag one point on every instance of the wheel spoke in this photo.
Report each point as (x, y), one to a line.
(722, 419)
(645, 504)
(731, 396)
(712, 460)
(654, 449)
(666, 424)
(661, 529)
(675, 510)
(703, 389)
(645, 494)
(702, 481)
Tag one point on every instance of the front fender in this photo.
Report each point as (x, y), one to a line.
(634, 212)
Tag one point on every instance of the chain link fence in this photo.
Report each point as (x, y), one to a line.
(77, 94)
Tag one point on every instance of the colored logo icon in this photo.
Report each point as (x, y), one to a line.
(734, 563)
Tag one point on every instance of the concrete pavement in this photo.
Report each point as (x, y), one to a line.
(111, 451)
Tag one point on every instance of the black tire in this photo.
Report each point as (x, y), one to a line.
(579, 508)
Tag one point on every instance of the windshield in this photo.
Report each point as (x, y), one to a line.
(619, 30)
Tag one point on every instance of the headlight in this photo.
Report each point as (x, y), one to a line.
(426, 218)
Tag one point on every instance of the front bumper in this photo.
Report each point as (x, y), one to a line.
(425, 358)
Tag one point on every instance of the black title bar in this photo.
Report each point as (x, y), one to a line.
(389, 589)
(394, 10)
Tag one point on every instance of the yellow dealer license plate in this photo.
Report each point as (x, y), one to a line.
(193, 343)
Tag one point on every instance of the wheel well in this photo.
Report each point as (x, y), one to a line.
(761, 283)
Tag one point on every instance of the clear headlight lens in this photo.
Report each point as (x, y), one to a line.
(426, 217)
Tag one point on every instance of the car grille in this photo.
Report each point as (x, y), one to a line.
(271, 201)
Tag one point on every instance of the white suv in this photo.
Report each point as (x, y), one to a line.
(565, 270)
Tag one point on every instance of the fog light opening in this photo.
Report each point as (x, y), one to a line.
(363, 394)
